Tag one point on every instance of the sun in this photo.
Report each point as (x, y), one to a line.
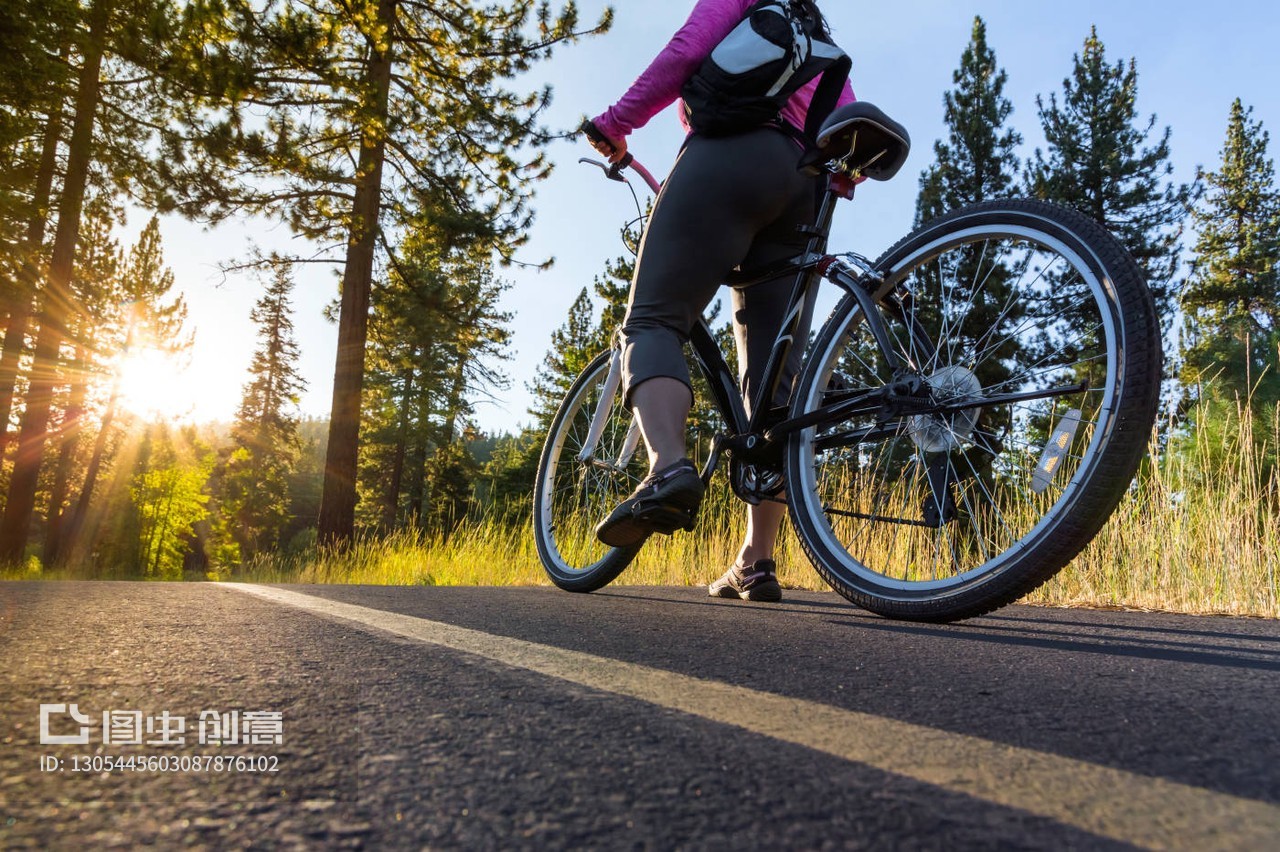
(155, 384)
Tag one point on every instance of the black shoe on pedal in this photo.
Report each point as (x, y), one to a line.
(758, 582)
(667, 500)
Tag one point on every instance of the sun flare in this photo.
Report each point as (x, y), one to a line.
(154, 383)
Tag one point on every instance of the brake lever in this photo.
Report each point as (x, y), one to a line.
(613, 172)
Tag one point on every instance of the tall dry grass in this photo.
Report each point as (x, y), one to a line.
(1198, 532)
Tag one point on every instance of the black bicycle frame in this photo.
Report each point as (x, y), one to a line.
(762, 428)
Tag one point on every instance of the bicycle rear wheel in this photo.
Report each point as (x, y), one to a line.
(591, 461)
(1034, 344)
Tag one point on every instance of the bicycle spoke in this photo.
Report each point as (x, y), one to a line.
(981, 357)
(1025, 376)
(1009, 333)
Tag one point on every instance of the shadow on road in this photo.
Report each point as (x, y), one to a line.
(1261, 659)
(1144, 628)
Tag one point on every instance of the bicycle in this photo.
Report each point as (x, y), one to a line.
(966, 419)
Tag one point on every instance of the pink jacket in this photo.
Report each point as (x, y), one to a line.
(660, 84)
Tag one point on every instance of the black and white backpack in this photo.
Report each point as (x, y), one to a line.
(760, 64)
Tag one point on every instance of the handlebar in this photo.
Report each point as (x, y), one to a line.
(614, 172)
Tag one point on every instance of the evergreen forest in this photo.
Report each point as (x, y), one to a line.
(402, 134)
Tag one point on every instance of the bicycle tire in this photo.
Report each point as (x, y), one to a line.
(572, 495)
(869, 501)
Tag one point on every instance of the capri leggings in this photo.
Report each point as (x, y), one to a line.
(729, 201)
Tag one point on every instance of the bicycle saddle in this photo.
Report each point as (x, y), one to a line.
(868, 141)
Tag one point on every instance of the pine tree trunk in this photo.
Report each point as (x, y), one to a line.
(68, 444)
(75, 518)
(417, 463)
(396, 483)
(57, 303)
(15, 333)
(338, 500)
(456, 388)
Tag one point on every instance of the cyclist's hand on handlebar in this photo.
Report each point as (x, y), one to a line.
(614, 151)
(619, 152)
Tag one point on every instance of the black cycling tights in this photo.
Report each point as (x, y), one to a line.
(729, 201)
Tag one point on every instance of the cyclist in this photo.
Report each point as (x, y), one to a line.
(729, 201)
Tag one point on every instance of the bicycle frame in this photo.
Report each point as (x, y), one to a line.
(809, 269)
(934, 463)
(753, 437)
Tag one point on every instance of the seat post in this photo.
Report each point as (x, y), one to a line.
(826, 214)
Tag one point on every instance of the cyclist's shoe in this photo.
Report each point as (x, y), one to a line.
(666, 501)
(759, 582)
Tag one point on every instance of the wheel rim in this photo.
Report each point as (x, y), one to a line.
(929, 504)
(575, 494)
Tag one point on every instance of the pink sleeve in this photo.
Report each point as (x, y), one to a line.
(660, 84)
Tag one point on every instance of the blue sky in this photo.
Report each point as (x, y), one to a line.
(1193, 60)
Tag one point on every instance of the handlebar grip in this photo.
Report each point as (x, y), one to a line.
(593, 133)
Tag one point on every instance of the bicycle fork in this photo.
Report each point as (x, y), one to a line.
(608, 393)
(631, 441)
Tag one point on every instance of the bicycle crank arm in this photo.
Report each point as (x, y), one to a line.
(713, 458)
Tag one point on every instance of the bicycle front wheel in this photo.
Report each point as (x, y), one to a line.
(591, 461)
(1031, 345)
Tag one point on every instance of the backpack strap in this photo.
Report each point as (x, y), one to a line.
(828, 92)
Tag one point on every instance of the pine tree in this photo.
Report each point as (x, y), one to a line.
(509, 473)
(1098, 161)
(1232, 298)
(56, 299)
(112, 112)
(264, 438)
(401, 100)
(437, 339)
(584, 335)
(450, 483)
(573, 345)
(143, 313)
(612, 289)
(22, 266)
(35, 38)
(97, 285)
(978, 161)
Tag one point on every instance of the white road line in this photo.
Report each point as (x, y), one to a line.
(1138, 809)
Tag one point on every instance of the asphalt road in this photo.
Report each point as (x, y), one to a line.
(484, 718)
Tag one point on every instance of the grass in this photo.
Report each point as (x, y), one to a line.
(1199, 532)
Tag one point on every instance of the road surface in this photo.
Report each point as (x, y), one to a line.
(222, 716)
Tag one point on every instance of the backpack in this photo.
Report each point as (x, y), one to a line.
(760, 64)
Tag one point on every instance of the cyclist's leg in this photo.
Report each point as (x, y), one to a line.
(760, 310)
(758, 314)
(721, 194)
